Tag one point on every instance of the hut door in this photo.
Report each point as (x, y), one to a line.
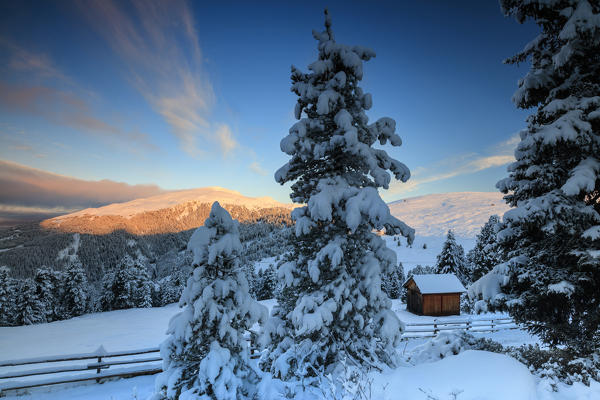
(414, 302)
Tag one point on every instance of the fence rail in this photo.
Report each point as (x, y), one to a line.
(127, 364)
(430, 329)
(149, 365)
(102, 360)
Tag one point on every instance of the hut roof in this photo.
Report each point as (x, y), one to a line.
(437, 283)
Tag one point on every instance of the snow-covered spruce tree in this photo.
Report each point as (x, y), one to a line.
(331, 307)
(452, 259)
(29, 309)
(486, 253)
(172, 286)
(420, 270)
(141, 286)
(7, 297)
(206, 355)
(116, 286)
(126, 286)
(551, 281)
(266, 283)
(44, 290)
(75, 290)
(392, 281)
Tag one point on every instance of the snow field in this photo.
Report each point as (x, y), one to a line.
(475, 374)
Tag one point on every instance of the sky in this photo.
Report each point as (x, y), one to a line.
(106, 100)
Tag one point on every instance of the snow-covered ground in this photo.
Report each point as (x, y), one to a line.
(469, 375)
(463, 212)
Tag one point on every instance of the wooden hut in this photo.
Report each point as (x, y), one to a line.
(434, 294)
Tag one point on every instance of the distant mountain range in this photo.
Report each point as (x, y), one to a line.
(430, 215)
(157, 228)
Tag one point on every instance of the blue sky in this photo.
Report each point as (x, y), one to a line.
(184, 95)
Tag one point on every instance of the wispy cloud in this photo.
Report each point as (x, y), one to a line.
(23, 186)
(23, 60)
(20, 143)
(498, 155)
(158, 43)
(257, 169)
(67, 109)
(51, 94)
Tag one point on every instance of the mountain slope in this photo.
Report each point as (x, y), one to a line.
(430, 215)
(169, 212)
(463, 212)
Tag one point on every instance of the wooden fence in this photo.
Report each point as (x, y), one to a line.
(148, 361)
(430, 329)
(64, 369)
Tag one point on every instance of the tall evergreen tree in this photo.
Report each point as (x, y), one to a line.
(172, 286)
(75, 290)
(57, 279)
(486, 253)
(551, 283)
(127, 285)
(116, 284)
(141, 286)
(44, 290)
(266, 283)
(29, 309)
(206, 355)
(331, 306)
(7, 297)
(392, 282)
(452, 259)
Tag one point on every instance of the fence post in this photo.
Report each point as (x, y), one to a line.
(492, 325)
(98, 370)
(468, 324)
(101, 352)
(435, 329)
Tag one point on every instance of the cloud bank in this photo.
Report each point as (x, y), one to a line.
(26, 189)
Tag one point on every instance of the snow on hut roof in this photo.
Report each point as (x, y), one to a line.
(438, 283)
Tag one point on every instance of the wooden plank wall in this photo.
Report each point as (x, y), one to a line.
(441, 304)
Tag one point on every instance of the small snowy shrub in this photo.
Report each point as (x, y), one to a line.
(557, 365)
(349, 382)
(553, 365)
(441, 346)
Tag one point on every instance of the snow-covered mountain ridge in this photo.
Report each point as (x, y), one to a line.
(463, 212)
(169, 212)
(429, 215)
(168, 200)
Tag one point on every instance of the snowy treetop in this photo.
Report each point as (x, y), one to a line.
(333, 163)
(219, 237)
